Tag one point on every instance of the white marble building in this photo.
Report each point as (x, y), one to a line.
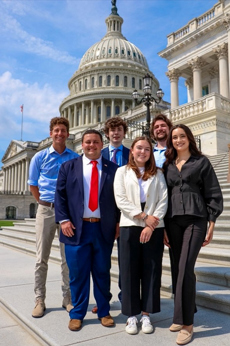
(200, 53)
(102, 87)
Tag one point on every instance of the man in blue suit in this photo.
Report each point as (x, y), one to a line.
(115, 130)
(89, 221)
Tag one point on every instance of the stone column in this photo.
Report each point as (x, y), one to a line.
(92, 113)
(12, 178)
(102, 110)
(69, 117)
(26, 175)
(19, 176)
(65, 113)
(226, 23)
(123, 105)
(196, 64)
(16, 178)
(83, 113)
(23, 176)
(188, 83)
(5, 180)
(112, 108)
(173, 76)
(87, 114)
(75, 115)
(222, 53)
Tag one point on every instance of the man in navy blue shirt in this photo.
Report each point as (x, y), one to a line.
(43, 173)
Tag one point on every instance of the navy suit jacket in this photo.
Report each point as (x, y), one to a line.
(69, 199)
(125, 155)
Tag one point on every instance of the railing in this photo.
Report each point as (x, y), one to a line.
(209, 102)
(196, 23)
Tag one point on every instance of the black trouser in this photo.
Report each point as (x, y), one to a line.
(141, 267)
(186, 234)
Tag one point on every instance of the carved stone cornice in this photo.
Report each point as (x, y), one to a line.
(221, 50)
(173, 75)
(214, 72)
(196, 63)
(226, 21)
(189, 82)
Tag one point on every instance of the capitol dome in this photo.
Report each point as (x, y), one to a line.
(108, 73)
(113, 46)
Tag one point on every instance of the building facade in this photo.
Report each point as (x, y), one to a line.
(200, 54)
(101, 88)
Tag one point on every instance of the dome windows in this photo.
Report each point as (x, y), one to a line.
(125, 81)
(100, 81)
(92, 82)
(117, 80)
(108, 80)
(133, 83)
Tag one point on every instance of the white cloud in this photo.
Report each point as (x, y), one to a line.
(26, 42)
(40, 105)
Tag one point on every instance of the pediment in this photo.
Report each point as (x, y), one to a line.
(13, 149)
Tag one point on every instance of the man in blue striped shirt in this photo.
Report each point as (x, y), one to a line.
(43, 173)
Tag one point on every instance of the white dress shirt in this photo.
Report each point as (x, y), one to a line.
(87, 172)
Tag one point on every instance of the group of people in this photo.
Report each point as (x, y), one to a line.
(144, 197)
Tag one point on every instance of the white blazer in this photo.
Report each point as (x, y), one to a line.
(127, 196)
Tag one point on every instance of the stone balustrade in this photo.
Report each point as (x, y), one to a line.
(196, 23)
(209, 102)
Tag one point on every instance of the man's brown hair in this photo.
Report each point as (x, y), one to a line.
(59, 121)
(114, 122)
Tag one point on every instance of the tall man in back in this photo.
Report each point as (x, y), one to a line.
(86, 209)
(43, 174)
(159, 131)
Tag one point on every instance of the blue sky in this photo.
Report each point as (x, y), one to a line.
(42, 42)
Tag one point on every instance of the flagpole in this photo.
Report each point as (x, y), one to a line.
(22, 106)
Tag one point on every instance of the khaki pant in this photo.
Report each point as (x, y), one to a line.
(45, 232)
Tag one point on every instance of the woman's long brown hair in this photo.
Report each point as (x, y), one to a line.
(150, 165)
(171, 152)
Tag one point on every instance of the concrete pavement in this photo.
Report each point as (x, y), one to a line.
(18, 327)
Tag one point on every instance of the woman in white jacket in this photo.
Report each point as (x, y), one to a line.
(141, 195)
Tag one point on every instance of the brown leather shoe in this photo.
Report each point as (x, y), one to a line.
(94, 309)
(39, 309)
(107, 321)
(75, 325)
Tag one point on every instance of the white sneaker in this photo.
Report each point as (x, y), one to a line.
(131, 325)
(147, 327)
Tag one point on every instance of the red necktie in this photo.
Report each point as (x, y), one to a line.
(93, 194)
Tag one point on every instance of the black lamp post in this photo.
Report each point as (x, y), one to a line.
(147, 100)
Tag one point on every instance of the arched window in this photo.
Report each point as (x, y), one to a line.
(80, 86)
(10, 212)
(117, 80)
(108, 112)
(133, 82)
(125, 81)
(108, 80)
(86, 83)
(140, 84)
(117, 110)
(92, 82)
(110, 50)
(32, 210)
(100, 81)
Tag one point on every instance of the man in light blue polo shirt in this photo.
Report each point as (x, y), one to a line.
(159, 131)
(43, 173)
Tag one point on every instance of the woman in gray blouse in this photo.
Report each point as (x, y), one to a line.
(195, 201)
